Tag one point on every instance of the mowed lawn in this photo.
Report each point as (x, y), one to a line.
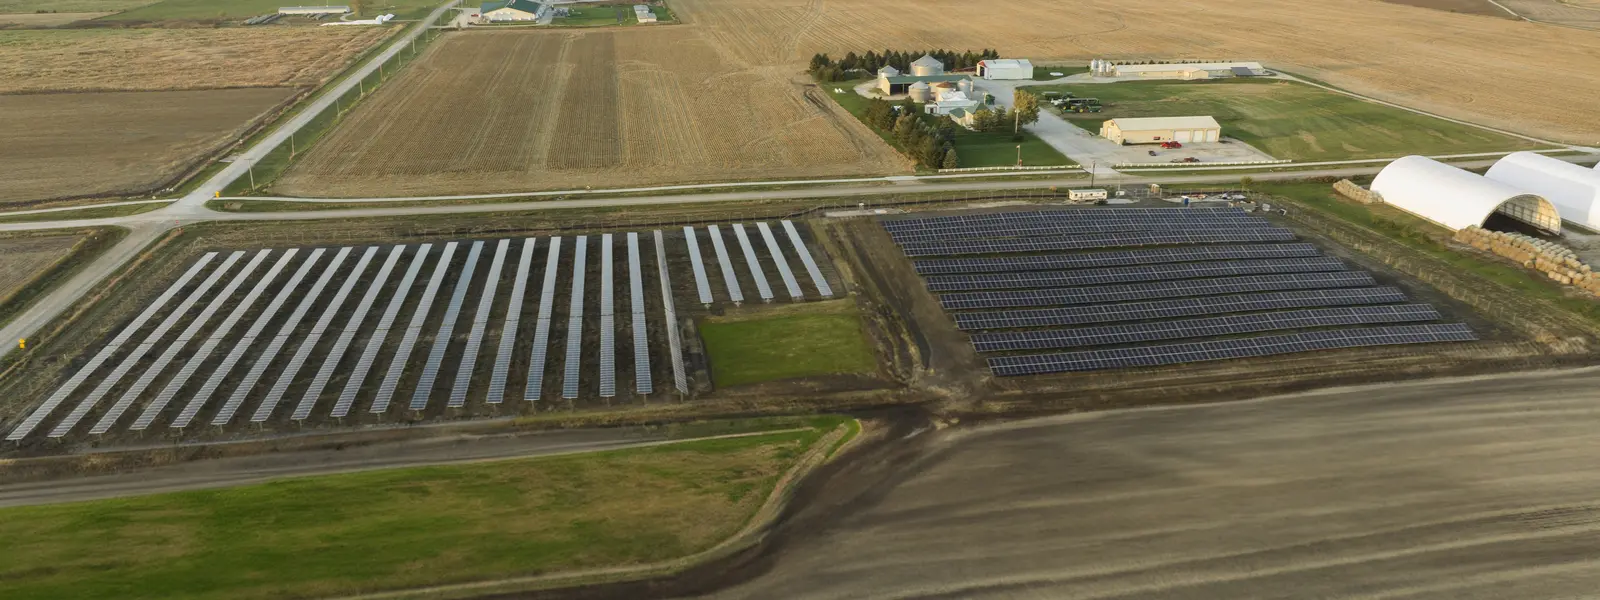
(820, 338)
(1291, 120)
(353, 533)
(973, 149)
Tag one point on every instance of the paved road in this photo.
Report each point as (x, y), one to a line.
(1458, 490)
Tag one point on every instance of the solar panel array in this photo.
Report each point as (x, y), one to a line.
(701, 283)
(569, 380)
(764, 290)
(608, 324)
(277, 311)
(1206, 273)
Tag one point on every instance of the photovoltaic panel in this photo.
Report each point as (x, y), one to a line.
(702, 284)
(764, 290)
(1160, 272)
(643, 381)
(541, 332)
(447, 329)
(1063, 215)
(149, 343)
(199, 399)
(608, 322)
(1169, 309)
(107, 351)
(574, 365)
(675, 344)
(1112, 258)
(1170, 354)
(285, 334)
(1204, 327)
(1072, 219)
(480, 323)
(821, 283)
(347, 396)
(1154, 291)
(508, 332)
(172, 348)
(780, 261)
(1038, 229)
(1092, 241)
(348, 334)
(728, 275)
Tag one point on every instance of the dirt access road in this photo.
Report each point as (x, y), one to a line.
(1458, 489)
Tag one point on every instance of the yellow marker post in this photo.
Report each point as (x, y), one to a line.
(22, 344)
(218, 194)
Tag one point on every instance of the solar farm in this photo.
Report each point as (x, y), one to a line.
(1090, 289)
(249, 339)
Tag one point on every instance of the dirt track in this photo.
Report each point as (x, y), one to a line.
(1460, 489)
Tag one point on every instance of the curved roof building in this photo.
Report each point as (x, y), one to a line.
(1573, 189)
(1458, 199)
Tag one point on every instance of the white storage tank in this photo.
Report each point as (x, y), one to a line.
(921, 92)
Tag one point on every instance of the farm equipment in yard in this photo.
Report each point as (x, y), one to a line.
(1172, 145)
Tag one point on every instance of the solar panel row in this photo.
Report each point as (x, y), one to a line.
(1170, 354)
(408, 340)
(107, 351)
(447, 328)
(541, 331)
(821, 283)
(1169, 309)
(762, 287)
(728, 275)
(1063, 215)
(303, 409)
(286, 333)
(701, 283)
(1152, 291)
(1161, 272)
(643, 380)
(230, 407)
(1092, 241)
(480, 323)
(680, 380)
(608, 325)
(1046, 228)
(1203, 327)
(1082, 260)
(782, 263)
(347, 397)
(569, 383)
(508, 331)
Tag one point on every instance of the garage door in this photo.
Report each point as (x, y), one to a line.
(1183, 136)
(1211, 136)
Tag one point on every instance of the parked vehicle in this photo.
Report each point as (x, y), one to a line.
(1152, 153)
(1171, 144)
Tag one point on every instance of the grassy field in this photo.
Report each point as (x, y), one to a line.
(69, 6)
(803, 340)
(597, 15)
(211, 10)
(353, 533)
(972, 148)
(103, 212)
(1044, 73)
(1290, 120)
(1430, 239)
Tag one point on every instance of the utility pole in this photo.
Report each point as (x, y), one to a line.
(1092, 169)
(1019, 155)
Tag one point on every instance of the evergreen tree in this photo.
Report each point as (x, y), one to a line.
(950, 159)
(904, 125)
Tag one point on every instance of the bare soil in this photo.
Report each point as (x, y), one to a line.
(1470, 7)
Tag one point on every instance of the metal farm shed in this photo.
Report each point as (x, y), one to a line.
(1573, 189)
(1154, 130)
(1456, 198)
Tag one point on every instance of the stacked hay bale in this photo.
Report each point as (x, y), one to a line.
(1555, 261)
(1350, 190)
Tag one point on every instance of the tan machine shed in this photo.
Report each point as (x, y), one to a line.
(1154, 130)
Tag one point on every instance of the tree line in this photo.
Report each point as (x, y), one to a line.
(825, 68)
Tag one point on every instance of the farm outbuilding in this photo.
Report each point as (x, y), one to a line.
(1005, 68)
(1574, 190)
(1456, 198)
(1154, 130)
(313, 10)
(928, 72)
(514, 10)
(1184, 71)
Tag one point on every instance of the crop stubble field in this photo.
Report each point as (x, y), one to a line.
(113, 112)
(23, 258)
(511, 110)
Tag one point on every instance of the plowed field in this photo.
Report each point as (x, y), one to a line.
(521, 110)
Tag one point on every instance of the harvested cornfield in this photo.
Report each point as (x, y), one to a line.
(24, 257)
(521, 110)
(111, 143)
(1543, 84)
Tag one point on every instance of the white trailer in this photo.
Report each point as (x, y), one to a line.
(1087, 195)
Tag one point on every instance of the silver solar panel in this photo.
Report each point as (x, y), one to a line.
(643, 382)
(541, 328)
(341, 343)
(508, 331)
(408, 341)
(215, 340)
(728, 275)
(1229, 325)
(780, 261)
(608, 322)
(755, 265)
(107, 351)
(480, 321)
(259, 367)
(286, 332)
(369, 356)
(823, 289)
(149, 343)
(701, 283)
(173, 348)
(447, 328)
(674, 344)
(573, 366)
